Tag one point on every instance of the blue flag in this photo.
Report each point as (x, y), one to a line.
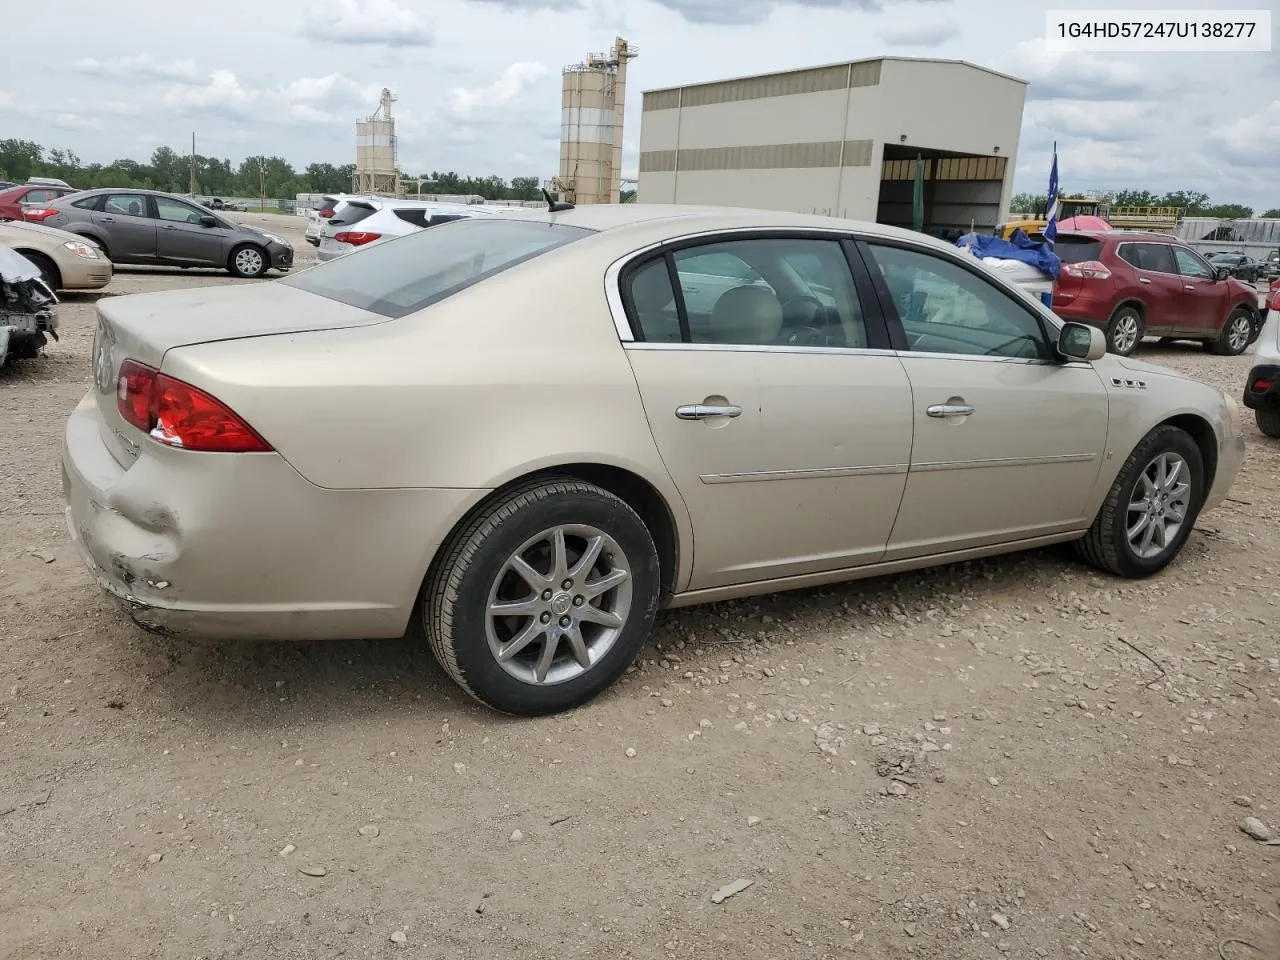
(1051, 214)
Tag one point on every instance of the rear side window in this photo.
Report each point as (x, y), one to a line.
(401, 277)
(350, 213)
(87, 203)
(1077, 249)
(425, 218)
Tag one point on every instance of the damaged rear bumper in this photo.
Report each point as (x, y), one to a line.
(240, 546)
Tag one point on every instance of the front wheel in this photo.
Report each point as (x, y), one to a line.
(48, 269)
(544, 599)
(1236, 334)
(1151, 507)
(1124, 332)
(248, 262)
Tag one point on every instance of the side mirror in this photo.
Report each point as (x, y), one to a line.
(208, 221)
(1221, 273)
(1079, 341)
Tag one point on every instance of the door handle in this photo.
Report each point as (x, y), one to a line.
(108, 219)
(1187, 286)
(1143, 280)
(168, 226)
(705, 411)
(941, 410)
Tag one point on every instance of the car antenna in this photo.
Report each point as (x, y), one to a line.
(554, 205)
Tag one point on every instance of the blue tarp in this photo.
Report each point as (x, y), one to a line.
(1018, 247)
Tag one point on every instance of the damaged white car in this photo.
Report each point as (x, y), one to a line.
(27, 319)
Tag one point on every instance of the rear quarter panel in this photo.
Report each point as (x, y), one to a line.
(521, 373)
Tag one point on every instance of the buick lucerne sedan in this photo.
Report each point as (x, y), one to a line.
(526, 433)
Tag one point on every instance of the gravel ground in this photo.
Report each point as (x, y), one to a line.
(1017, 757)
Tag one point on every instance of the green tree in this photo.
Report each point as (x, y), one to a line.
(525, 188)
(1272, 214)
(1027, 202)
(1227, 211)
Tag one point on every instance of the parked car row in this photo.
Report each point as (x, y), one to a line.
(1135, 285)
(344, 223)
(1239, 265)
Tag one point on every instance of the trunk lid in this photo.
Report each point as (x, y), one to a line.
(145, 327)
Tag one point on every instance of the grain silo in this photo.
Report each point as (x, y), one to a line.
(591, 126)
(376, 171)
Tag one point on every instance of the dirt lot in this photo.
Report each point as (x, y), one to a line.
(1074, 756)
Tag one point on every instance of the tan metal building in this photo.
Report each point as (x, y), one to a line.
(840, 140)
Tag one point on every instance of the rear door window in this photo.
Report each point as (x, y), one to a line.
(1151, 257)
(400, 278)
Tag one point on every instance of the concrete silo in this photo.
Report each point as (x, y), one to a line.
(591, 126)
(376, 171)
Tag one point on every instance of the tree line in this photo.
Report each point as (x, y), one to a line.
(257, 176)
(1192, 202)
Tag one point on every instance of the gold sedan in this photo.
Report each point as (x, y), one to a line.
(528, 432)
(66, 261)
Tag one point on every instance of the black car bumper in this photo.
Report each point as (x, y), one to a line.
(281, 257)
(1262, 389)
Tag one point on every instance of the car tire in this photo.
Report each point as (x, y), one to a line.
(248, 261)
(1268, 422)
(1109, 544)
(1237, 333)
(545, 657)
(48, 269)
(1125, 331)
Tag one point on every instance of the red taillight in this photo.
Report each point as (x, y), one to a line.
(133, 394)
(37, 214)
(326, 213)
(1088, 270)
(179, 415)
(356, 237)
(1261, 386)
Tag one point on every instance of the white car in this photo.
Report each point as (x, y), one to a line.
(361, 221)
(322, 210)
(1262, 389)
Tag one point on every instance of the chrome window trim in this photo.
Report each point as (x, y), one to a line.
(613, 291)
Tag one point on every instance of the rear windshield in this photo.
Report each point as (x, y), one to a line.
(350, 212)
(404, 275)
(1077, 249)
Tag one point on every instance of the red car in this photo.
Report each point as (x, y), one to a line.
(1135, 285)
(12, 199)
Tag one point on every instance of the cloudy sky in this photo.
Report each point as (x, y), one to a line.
(478, 81)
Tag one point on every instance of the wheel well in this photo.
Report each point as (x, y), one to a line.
(1202, 433)
(633, 490)
(37, 257)
(1136, 304)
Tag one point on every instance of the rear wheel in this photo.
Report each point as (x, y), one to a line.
(1125, 331)
(1268, 422)
(544, 599)
(1151, 507)
(248, 261)
(1236, 334)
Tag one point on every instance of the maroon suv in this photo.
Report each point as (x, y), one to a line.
(1135, 285)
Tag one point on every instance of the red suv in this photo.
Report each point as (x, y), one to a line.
(12, 198)
(1135, 285)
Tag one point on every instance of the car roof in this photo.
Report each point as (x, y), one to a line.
(1123, 236)
(682, 220)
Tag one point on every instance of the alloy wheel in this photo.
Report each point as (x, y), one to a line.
(249, 261)
(1239, 333)
(1125, 337)
(1159, 505)
(558, 604)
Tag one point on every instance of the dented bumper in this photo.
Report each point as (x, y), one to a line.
(241, 546)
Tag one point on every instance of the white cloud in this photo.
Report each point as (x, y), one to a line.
(75, 121)
(463, 101)
(6, 99)
(1074, 75)
(1252, 140)
(140, 67)
(920, 34)
(328, 99)
(365, 23)
(1107, 120)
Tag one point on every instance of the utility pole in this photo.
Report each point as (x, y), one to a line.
(262, 183)
(192, 187)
